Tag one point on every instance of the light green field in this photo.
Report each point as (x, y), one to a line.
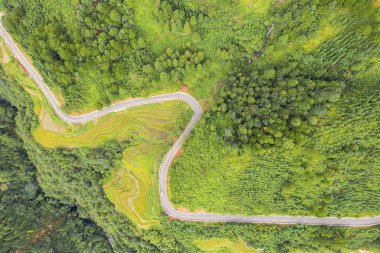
(133, 187)
(259, 6)
(322, 35)
(224, 245)
(152, 122)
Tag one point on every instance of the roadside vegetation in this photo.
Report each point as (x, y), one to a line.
(224, 245)
(291, 125)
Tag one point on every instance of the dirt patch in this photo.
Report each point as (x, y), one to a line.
(48, 228)
(45, 231)
(183, 209)
(179, 151)
(200, 210)
(177, 154)
(364, 251)
(22, 68)
(185, 88)
(48, 123)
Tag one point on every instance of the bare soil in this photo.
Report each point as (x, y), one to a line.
(48, 123)
(185, 88)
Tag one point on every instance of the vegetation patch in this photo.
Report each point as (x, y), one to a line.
(5, 58)
(301, 125)
(259, 6)
(146, 121)
(224, 245)
(321, 36)
(249, 154)
(133, 188)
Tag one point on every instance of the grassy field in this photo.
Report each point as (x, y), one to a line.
(219, 245)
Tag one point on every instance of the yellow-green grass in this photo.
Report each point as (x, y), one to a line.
(322, 35)
(224, 245)
(4, 55)
(377, 3)
(133, 187)
(153, 122)
(159, 38)
(258, 6)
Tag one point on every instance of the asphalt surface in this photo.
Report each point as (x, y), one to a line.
(163, 172)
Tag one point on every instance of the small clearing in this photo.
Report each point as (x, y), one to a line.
(48, 123)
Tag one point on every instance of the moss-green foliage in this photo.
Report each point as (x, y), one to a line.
(331, 170)
(79, 186)
(281, 98)
(72, 176)
(273, 105)
(306, 122)
(117, 44)
(173, 65)
(332, 173)
(94, 59)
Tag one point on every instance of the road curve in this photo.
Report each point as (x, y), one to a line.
(163, 172)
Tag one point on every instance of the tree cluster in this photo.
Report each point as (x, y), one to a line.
(274, 106)
(101, 50)
(173, 64)
(31, 221)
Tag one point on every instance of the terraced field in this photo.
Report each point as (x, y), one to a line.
(152, 127)
(150, 122)
(133, 188)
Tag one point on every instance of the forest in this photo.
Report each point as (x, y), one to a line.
(285, 121)
(32, 221)
(290, 92)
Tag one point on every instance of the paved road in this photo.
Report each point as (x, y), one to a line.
(163, 172)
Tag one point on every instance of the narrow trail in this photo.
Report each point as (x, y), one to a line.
(164, 167)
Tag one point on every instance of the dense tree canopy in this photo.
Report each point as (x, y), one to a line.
(273, 105)
(30, 220)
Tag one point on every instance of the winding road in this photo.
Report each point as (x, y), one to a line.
(163, 172)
